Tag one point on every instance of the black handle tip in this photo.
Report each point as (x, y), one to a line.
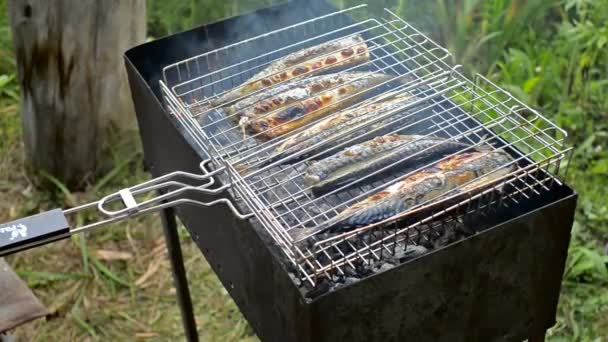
(33, 231)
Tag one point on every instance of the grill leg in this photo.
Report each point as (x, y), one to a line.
(537, 337)
(179, 273)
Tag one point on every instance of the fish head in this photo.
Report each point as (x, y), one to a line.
(377, 197)
(314, 173)
(468, 166)
(256, 125)
(489, 161)
(458, 161)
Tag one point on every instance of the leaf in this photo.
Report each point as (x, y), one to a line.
(105, 271)
(35, 278)
(488, 38)
(109, 255)
(71, 200)
(5, 80)
(530, 84)
(600, 167)
(586, 264)
(601, 42)
(113, 173)
(146, 335)
(75, 314)
(152, 269)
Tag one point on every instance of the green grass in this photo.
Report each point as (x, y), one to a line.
(551, 54)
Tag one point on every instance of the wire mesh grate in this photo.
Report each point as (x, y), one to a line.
(444, 103)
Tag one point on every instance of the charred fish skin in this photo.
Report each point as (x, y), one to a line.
(348, 50)
(321, 169)
(314, 82)
(347, 120)
(294, 116)
(325, 57)
(261, 104)
(417, 188)
(381, 152)
(425, 185)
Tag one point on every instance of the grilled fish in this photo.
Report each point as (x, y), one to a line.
(419, 187)
(362, 159)
(280, 96)
(302, 112)
(325, 57)
(336, 125)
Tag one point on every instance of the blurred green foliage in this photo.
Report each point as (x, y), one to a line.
(7, 61)
(169, 16)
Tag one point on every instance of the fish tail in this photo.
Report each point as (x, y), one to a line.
(404, 79)
(302, 234)
(334, 222)
(264, 163)
(299, 235)
(228, 98)
(483, 144)
(244, 124)
(229, 112)
(273, 158)
(242, 169)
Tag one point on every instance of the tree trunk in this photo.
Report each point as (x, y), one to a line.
(72, 79)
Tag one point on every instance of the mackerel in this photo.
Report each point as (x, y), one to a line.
(360, 160)
(299, 113)
(481, 167)
(335, 126)
(259, 105)
(325, 57)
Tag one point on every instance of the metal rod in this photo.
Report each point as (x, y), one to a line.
(180, 280)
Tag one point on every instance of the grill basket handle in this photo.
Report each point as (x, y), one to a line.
(171, 189)
(53, 225)
(33, 231)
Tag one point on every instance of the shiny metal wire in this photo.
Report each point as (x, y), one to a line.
(448, 104)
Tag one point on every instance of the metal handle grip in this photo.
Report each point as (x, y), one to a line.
(33, 231)
(52, 225)
(173, 189)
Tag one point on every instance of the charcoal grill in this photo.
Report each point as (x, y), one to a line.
(479, 265)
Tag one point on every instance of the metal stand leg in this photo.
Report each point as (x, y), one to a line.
(179, 273)
(538, 337)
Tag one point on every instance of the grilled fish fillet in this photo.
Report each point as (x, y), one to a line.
(261, 104)
(302, 112)
(338, 124)
(325, 57)
(363, 159)
(420, 187)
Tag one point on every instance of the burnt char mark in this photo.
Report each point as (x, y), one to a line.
(347, 52)
(331, 60)
(317, 87)
(291, 113)
(299, 71)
